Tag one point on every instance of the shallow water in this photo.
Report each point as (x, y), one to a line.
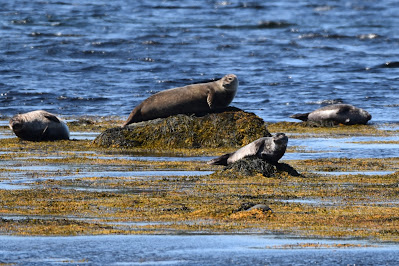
(22, 180)
(190, 250)
(103, 58)
(357, 173)
(348, 147)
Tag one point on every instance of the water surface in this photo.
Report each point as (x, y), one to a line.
(104, 57)
(190, 250)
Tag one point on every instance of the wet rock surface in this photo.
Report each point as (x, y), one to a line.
(253, 165)
(229, 128)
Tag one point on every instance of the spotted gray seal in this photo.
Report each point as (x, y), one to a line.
(269, 149)
(195, 98)
(39, 125)
(337, 113)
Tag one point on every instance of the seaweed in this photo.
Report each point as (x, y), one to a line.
(230, 128)
(252, 165)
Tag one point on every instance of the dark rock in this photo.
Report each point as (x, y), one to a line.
(253, 165)
(229, 128)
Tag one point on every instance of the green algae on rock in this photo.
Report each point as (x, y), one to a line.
(230, 128)
(252, 165)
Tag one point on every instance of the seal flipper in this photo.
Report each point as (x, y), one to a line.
(210, 98)
(343, 109)
(52, 118)
(44, 133)
(222, 160)
(259, 147)
(303, 117)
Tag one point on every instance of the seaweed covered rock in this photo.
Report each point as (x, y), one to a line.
(230, 128)
(253, 165)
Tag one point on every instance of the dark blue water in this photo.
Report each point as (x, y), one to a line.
(104, 57)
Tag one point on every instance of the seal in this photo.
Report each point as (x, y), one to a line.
(39, 125)
(261, 207)
(195, 98)
(269, 149)
(336, 113)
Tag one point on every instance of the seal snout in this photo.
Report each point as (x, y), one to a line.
(280, 138)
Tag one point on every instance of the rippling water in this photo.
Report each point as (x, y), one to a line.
(188, 250)
(104, 57)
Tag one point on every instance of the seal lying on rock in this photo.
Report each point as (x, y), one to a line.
(39, 125)
(337, 113)
(269, 149)
(195, 98)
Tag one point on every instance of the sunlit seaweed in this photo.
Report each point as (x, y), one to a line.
(232, 128)
(314, 205)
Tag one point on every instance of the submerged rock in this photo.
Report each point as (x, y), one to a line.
(253, 165)
(230, 128)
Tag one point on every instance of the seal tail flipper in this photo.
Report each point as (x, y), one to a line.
(133, 116)
(303, 117)
(222, 160)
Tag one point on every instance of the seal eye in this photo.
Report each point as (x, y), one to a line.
(230, 79)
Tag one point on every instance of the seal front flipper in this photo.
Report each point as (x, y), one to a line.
(45, 132)
(222, 160)
(210, 97)
(52, 117)
(303, 117)
(259, 147)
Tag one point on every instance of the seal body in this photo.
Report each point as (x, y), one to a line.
(39, 125)
(269, 149)
(195, 98)
(337, 113)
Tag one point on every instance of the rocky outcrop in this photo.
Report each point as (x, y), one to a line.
(253, 165)
(229, 128)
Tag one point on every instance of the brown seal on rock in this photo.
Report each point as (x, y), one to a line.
(39, 125)
(336, 113)
(195, 98)
(269, 149)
